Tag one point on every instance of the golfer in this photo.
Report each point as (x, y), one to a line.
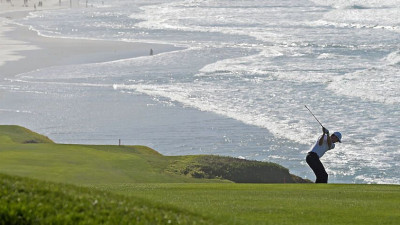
(322, 145)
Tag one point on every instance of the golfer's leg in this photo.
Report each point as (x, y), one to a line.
(319, 170)
(312, 163)
(322, 175)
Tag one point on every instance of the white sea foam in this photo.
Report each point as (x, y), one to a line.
(374, 84)
(362, 14)
(357, 3)
(251, 107)
(16, 111)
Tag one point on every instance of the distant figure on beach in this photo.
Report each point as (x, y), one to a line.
(322, 145)
(151, 51)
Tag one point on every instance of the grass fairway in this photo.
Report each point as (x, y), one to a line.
(156, 189)
(25, 153)
(278, 203)
(82, 164)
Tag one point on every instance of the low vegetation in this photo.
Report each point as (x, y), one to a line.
(233, 169)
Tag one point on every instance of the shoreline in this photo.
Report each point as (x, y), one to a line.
(25, 50)
(135, 119)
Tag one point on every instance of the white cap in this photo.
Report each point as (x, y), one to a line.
(338, 135)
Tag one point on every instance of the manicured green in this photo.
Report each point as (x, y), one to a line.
(133, 183)
(278, 203)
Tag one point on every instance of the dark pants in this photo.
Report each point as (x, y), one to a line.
(313, 161)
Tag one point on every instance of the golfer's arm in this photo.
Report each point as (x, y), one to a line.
(329, 141)
(321, 140)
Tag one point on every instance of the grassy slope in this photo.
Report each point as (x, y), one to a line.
(142, 173)
(26, 201)
(17, 134)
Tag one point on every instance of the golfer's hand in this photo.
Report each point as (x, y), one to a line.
(326, 131)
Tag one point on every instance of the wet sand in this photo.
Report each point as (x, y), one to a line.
(23, 50)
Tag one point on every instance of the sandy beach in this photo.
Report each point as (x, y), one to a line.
(23, 50)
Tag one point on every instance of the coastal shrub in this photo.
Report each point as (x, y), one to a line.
(237, 170)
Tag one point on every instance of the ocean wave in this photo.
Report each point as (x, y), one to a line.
(378, 83)
(16, 111)
(374, 84)
(224, 100)
(393, 59)
(357, 4)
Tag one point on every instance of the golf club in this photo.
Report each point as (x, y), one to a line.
(314, 116)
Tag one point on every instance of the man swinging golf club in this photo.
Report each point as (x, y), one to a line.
(324, 143)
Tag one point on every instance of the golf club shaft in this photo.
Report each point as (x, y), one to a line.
(314, 116)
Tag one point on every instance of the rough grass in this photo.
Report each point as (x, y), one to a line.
(25, 201)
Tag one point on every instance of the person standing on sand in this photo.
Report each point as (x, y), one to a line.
(322, 145)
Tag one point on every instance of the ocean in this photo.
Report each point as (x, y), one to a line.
(237, 86)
